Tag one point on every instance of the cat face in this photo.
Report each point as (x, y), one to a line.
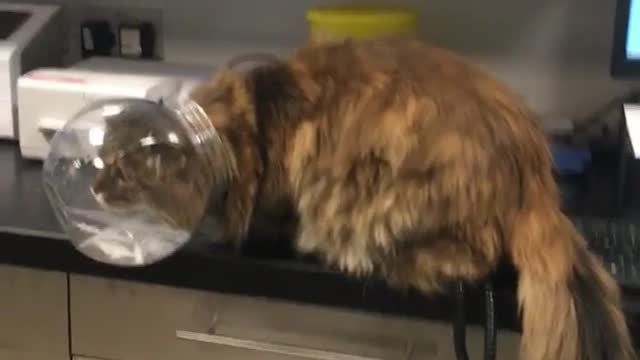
(163, 176)
(127, 175)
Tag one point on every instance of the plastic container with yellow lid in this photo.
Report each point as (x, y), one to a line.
(361, 22)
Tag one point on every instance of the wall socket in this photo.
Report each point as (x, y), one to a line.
(116, 15)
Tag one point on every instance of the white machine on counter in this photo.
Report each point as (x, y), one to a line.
(31, 36)
(190, 75)
(49, 97)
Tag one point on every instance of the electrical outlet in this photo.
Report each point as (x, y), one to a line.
(115, 15)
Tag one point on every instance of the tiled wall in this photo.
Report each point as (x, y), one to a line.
(553, 52)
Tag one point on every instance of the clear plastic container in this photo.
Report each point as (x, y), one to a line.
(130, 179)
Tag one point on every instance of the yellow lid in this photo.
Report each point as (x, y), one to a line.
(372, 14)
(361, 22)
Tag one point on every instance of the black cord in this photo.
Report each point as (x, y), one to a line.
(490, 339)
(459, 325)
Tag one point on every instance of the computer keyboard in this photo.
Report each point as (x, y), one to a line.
(617, 242)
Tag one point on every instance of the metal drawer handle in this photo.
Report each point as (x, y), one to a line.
(268, 347)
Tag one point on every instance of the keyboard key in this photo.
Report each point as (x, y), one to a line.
(617, 244)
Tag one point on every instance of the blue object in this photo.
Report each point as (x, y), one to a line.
(570, 160)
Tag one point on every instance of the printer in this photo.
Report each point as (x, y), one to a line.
(190, 75)
(49, 97)
(31, 36)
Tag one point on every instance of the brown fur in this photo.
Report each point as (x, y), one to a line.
(405, 160)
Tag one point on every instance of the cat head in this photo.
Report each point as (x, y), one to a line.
(144, 166)
(173, 179)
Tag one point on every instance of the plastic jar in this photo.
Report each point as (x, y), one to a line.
(129, 179)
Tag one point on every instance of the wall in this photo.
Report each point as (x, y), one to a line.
(555, 53)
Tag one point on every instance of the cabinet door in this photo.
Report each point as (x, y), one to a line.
(508, 345)
(33, 314)
(124, 320)
(121, 320)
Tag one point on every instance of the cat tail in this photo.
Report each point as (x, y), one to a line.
(570, 305)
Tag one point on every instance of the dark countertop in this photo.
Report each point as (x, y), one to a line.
(30, 236)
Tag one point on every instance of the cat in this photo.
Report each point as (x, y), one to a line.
(398, 158)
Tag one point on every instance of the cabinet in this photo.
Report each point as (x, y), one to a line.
(33, 314)
(125, 320)
(121, 320)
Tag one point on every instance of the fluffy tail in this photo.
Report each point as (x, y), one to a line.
(570, 304)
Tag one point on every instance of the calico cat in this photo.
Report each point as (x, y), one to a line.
(397, 158)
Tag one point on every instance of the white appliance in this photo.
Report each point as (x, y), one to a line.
(31, 36)
(49, 97)
(151, 67)
(190, 75)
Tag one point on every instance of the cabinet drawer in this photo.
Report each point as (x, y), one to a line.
(130, 321)
(33, 314)
(352, 332)
(123, 320)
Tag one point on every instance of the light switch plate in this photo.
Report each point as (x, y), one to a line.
(115, 14)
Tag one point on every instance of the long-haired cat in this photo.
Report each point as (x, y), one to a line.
(397, 158)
